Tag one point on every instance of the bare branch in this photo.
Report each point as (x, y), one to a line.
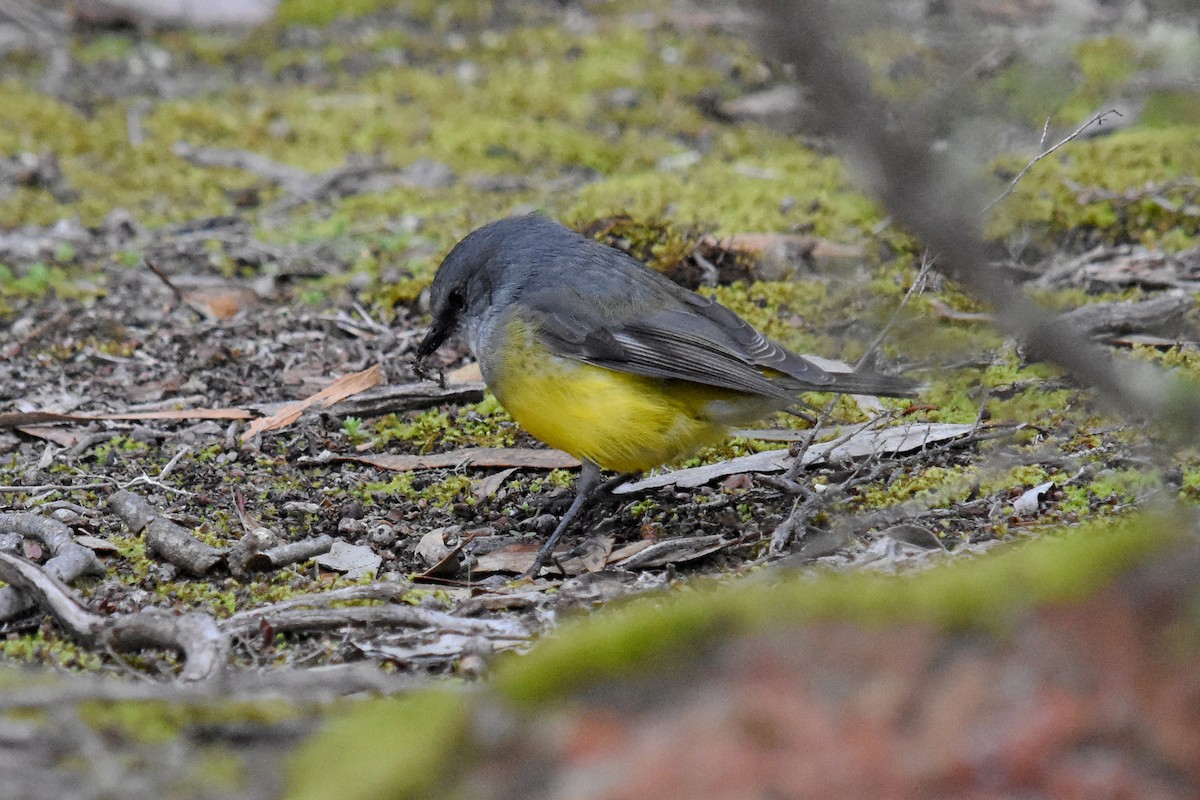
(69, 559)
(196, 635)
(168, 541)
(1075, 134)
(930, 201)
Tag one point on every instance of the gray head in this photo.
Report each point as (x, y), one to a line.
(486, 270)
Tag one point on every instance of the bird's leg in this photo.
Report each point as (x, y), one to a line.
(585, 488)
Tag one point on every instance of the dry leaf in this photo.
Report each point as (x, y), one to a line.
(675, 551)
(1028, 502)
(515, 558)
(590, 555)
(443, 560)
(622, 553)
(343, 387)
(355, 561)
(96, 544)
(467, 373)
(484, 488)
(60, 436)
(865, 441)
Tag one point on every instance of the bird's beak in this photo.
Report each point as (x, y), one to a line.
(438, 333)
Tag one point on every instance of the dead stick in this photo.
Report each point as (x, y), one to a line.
(171, 542)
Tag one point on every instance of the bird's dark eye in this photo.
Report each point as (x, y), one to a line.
(455, 300)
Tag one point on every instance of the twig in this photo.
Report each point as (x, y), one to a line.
(1075, 134)
(399, 615)
(162, 276)
(292, 179)
(68, 559)
(922, 192)
(918, 286)
(53, 487)
(168, 541)
(196, 635)
(146, 480)
(162, 476)
(807, 507)
(293, 685)
(380, 590)
(291, 552)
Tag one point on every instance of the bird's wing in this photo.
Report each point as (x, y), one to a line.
(687, 338)
(616, 313)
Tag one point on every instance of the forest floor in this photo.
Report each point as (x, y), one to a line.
(212, 252)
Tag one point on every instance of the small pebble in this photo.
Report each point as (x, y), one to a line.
(383, 535)
(545, 523)
(300, 508)
(349, 526)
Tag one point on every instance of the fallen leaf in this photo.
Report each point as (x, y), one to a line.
(590, 555)
(193, 14)
(675, 551)
(485, 488)
(432, 547)
(343, 387)
(865, 441)
(760, 243)
(16, 419)
(443, 560)
(467, 373)
(887, 554)
(1149, 340)
(869, 403)
(1028, 502)
(915, 535)
(60, 436)
(421, 647)
(355, 561)
(515, 558)
(96, 544)
(622, 553)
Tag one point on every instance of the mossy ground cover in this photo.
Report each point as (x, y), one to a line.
(610, 122)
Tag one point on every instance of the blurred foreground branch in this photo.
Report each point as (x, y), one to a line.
(931, 201)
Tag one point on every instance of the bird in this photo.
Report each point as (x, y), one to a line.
(596, 354)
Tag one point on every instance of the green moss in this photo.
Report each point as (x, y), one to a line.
(1112, 172)
(49, 649)
(317, 12)
(657, 243)
(485, 425)
(990, 593)
(214, 769)
(35, 280)
(159, 721)
(939, 486)
(1068, 86)
(1170, 108)
(727, 193)
(106, 47)
(1190, 485)
(1105, 64)
(391, 748)
(902, 68)
(1111, 491)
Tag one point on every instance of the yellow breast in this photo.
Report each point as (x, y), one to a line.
(622, 422)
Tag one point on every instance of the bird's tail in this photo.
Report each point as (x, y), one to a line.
(871, 383)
